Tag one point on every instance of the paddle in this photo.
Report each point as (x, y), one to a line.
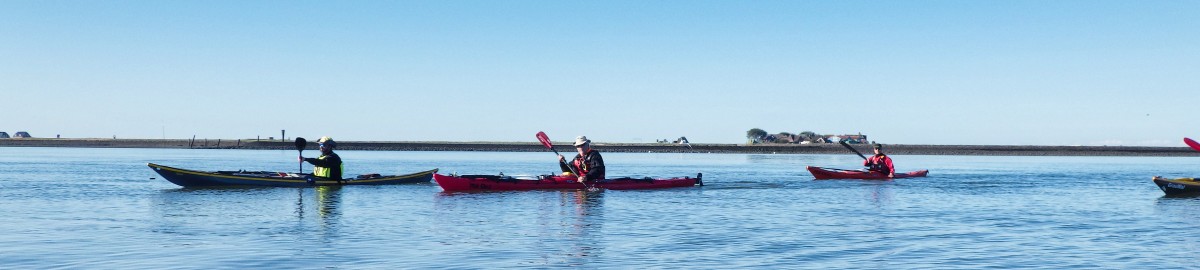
(843, 143)
(1191, 143)
(301, 143)
(541, 136)
(546, 142)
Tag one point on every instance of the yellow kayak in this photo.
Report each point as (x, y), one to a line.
(1177, 186)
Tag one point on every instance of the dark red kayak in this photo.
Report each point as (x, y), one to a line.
(501, 182)
(831, 173)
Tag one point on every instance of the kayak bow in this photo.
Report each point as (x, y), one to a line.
(1177, 186)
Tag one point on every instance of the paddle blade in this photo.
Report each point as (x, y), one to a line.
(1192, 143)
(541, 136)
(301, 143)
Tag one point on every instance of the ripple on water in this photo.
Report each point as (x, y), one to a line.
(99, 208)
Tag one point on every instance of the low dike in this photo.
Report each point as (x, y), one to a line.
(896, 149)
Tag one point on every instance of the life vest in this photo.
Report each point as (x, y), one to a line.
(878, 164)
(581, 163)
(325, 172)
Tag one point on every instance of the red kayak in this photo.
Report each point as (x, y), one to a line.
(501, 182)
(831, 173)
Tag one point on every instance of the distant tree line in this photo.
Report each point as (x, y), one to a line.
(758, 135)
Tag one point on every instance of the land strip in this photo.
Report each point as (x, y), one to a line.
(899, 149)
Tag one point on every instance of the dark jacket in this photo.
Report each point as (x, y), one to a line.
(331, 161)
(592, 165)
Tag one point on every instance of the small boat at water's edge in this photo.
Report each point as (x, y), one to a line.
(501, 182)
(1177, 186)
(190, 178)
(830, 173)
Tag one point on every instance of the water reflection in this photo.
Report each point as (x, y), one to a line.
(328, 199)
(559, 228)
(327, 202)
(214, 203)
(202, 211)
(881, 194)
(1181, 207)
(569, 227)
(183, 200)
(581, 219)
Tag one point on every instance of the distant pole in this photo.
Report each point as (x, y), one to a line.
(164, 130)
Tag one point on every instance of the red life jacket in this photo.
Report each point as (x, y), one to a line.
(580, 164)
(879, 163)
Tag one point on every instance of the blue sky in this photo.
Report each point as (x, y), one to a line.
(907, 72)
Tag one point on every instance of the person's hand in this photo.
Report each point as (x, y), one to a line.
(562, 159)
(892, 175)
(300, 158)
(581, 178)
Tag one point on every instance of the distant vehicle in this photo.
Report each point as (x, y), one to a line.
(3, 135)
(22, 134)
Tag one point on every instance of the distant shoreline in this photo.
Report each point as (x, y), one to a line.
(897, 149)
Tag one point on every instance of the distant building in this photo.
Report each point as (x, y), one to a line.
(853, 138)
(3, 135)
(22, 134)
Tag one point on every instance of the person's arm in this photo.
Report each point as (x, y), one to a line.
(327, 162)
(891, 169)
(562, 164)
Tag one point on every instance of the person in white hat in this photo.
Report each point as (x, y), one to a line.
(587, 163)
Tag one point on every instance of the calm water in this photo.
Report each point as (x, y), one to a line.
(100, 208)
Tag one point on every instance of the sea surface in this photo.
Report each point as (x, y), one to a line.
(90, 208)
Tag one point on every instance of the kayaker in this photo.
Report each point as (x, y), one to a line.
(329, 164)
(587, 163)
(880, 162)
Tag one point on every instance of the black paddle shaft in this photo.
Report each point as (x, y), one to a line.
(843, 143)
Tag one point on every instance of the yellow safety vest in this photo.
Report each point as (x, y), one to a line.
(324, 172)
